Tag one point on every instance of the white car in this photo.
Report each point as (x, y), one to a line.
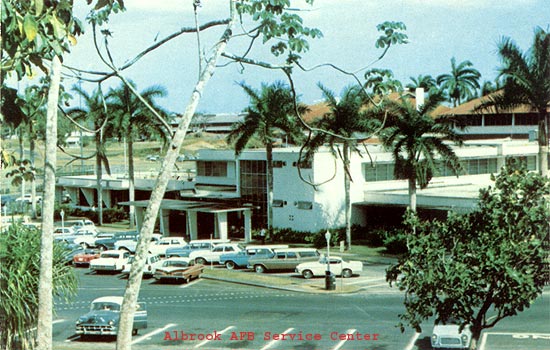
(213, 255)
(88, 241)
(27, 198)
(152, 262)
(337, 266)
(110, 260)
(165, 243)
(131, 244)
(448, 336)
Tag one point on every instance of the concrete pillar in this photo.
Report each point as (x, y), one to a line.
(140, 213)
(221, 225)
(192, 226)
(164, 222)
(107, 198)
(501, 158)
(89, 196)
(247, 225)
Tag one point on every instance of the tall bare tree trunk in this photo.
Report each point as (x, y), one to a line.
(45, 288)
(544, 126)
(269, 155)
(131, 185)
(124, 338)
(412, 194)
(99, 173)
(347, 189)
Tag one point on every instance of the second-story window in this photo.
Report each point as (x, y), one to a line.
(212, 168)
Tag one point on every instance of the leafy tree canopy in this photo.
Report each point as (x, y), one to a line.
(483, 266)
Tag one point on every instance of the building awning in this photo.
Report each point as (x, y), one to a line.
(183, 205)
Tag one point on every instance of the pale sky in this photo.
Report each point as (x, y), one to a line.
(438, 30)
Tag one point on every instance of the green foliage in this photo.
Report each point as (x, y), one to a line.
(461, 83)
(110, 215)
(492, 259)
(19, 271)
(286, 235)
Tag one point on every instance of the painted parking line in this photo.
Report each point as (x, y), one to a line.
(341, 343)
(376, 285)
(185, 285)
(53, 322)
(276, 341)
(515, 335)
(207, 341)
(411, 343)
(150, 334)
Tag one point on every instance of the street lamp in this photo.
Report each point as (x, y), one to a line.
(329, 279)
(62, 213)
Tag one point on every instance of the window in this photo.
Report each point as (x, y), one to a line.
(526, 119)
(278, 163)
(212, 168)
(304, 205)
(498, 119)
(278, 203)
(378, 172)
(304, 164)
(291, 255)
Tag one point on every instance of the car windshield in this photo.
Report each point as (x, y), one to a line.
(105, 306)
(175, 263)
(110, 255)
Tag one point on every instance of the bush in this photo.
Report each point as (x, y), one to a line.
(395, 241)
(289, 236)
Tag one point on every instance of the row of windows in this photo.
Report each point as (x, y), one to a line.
(501, 119)
(212, 168)
(383, 172)
(305, 205)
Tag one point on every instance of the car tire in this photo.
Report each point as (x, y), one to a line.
(259, 268)
(201, 261)
(347, 273)
(230, 265)
(307, 274)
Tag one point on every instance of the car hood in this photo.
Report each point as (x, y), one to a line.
(99, 317)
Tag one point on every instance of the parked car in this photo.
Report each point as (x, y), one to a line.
(198, 244)
(109, 243)
(337, 266)
(131, 244)
(178, 269)
(164, 243)
(240, 259)
(104, 317)
(78, 223)
(449, 336)
(70, 250)
(152, 262)
(213, 255)
(66, 231)
(89, 241)
(110, 260)
(27, 198)
(283, 259)
(85, 257)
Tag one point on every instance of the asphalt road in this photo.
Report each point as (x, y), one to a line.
(225, 315)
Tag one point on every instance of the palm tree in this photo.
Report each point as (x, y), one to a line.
(130, 119)
(94, 111)
(416, 140)
(527, 82)
(461, 83)
(426, 82)
(271, 111)
(347, 120)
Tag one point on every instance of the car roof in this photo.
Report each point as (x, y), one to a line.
(295, 250)
(110, 299)
(113, 251)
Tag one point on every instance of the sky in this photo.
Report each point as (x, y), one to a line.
(437, 29)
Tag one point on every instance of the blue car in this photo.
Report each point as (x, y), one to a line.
(199, 244)
(240, 259)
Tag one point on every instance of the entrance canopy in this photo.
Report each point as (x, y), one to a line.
(191, 208)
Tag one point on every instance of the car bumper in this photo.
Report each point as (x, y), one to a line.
(96, 330)
(104, 268)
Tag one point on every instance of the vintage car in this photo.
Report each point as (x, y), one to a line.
(178, 269)
(164, 243)
(197, 244)
(104, 317)
(283, 259)
(337, 266)
(213, 255)
(131, 244)
(152, 262)
(449, 336)
(110, 260)
(88, 241)
(85, 257)
(240, 259)
(109, 243)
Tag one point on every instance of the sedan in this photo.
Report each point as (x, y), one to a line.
(85, 257)
(337, 266)
(178, 269)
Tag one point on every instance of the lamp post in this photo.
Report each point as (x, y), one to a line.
(62, 213)
(329, 279)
